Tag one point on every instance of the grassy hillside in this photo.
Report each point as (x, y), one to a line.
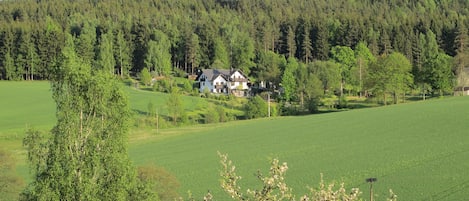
(419, 150)
(29, 104)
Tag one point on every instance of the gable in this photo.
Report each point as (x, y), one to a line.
(212, 74)
(237, 75)
(219, 79)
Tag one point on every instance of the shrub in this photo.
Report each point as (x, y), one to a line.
(222, 117)
(312, 105)
(10, 183)
(164, 85)
(145, 76)
(187, 86)
(211, 116)
(163, 182)
(342, 102)
(256, 108)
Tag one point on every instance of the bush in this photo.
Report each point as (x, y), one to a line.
(342, 102)
(312, 105)
(187, 86)
(163, 85)
(163, 182)
(145, 76)
(179, 73)
(222, 117)
(10, 183)
(256, 108)
(211, 116)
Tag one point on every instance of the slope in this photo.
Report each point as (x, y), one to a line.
(417, 149)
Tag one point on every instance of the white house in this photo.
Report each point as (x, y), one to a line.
(221, 81)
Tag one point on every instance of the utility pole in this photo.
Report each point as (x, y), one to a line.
(157, 122)
(371, 180)
(268, 104)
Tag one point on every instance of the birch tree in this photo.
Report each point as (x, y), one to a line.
(85, 157)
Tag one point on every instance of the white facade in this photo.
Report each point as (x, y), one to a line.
(223, 82)
(238, 81)
(218, 85)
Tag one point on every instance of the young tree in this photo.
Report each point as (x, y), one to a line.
(346, 58)
(86, 155)
(363, 57)
(313, 93)
(145, 76)
(288, 79)
(175, 106)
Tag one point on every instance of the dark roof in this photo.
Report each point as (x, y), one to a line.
(214, 73)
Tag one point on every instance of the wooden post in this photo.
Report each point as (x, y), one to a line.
(268, 103)
(371, 180)
(157, 122)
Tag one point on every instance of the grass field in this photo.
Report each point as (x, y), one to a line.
(419, 150)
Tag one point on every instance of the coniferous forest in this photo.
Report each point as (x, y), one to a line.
(349, 46)
(307, 51)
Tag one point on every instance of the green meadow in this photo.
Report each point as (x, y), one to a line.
(419, 149)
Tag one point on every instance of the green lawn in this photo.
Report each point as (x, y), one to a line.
(24, 104)
(419, 150)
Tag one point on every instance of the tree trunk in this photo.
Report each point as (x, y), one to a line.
(384, 99)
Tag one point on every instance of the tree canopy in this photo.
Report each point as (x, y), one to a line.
(85, 158)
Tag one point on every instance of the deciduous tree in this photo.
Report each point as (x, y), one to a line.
(363, 57)
(86, 157)
(288, 79)
(391, 74)
(175, 106)
(346, 58)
